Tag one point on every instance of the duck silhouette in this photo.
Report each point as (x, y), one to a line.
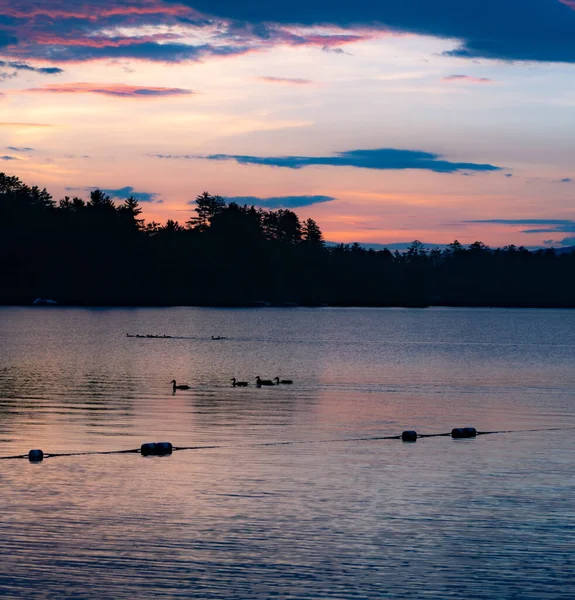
(182, 386)
(260, 381)
(236, 383)
(284, 381)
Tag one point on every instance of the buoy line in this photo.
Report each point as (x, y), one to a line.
(166, 448)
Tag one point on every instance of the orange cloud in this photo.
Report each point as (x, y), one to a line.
(23, 125)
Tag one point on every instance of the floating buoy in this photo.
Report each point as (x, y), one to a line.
(156, 449)
(409, 436)
(163, 448)
(148, 449)
(463, 432)
(35, 456)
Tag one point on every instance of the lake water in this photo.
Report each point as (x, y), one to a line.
(291, 504)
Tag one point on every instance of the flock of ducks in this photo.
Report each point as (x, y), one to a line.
(235, 383)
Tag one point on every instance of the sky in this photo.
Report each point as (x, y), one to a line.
(385, 121)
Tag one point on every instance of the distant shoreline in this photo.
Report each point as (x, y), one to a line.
(102, 254)
(291, 306)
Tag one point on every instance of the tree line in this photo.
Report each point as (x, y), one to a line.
(102, 253)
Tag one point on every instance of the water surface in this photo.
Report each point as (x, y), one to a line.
(320, 514)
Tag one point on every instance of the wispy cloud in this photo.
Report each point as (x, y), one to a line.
(546, 225)
(281, 201)
(24, 125)
(8, 158)
(523, 221)
(466, 79)
(118, 90)
(14, 149)
(20, 66)
(335, 50)
(284, 80)
(5, 76)
(383, 159)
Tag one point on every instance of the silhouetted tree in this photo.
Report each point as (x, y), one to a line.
(311, 233)
(100, 252)
(207, 207)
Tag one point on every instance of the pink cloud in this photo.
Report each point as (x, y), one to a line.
(284, 80)
(91, 9)
(118, 90)
(467, 78)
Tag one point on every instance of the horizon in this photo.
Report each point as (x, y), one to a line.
(385, 124)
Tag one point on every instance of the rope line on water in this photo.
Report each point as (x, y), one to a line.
(166, 448)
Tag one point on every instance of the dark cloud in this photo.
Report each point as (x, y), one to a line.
(568, 241)
(546, 225)
(6, 39)
(532, 30)
(19, 66)
(566, 180)
(527, 30)
(569, 228)
(8, 158)
(118, 90)
(380, 159)
(523, 221)
(14, 149)
(128, 191)
(136, 50)
(122, 193)
(281, 201)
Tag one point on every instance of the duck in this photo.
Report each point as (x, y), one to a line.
(239, 383)
(182, 386)
(260, 382)
(284, 381)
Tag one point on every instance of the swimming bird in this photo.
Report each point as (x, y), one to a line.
(284, 381)
(179, 387)
(260, 382)
(239, 383)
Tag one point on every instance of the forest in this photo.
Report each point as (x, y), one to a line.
(102, 253)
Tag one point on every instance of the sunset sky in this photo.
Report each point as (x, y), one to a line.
(386, 121)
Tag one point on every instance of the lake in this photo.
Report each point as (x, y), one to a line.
(297, 499)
